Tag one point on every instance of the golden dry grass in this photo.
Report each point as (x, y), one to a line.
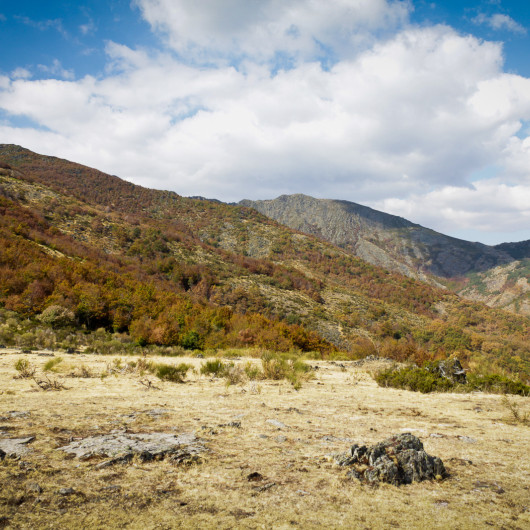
(301, 488)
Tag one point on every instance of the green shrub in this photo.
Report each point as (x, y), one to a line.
(191, 341)
(215, 367)
(24, 368)
(52, 363)
(253, 372)
(497, 384)
(169, 372)
(427, 379)
(277, 368)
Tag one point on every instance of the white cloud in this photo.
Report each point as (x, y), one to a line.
(489, 206)
(402, 124)
(500, 22)
(88, 28)
(208, 29)
(20, 73)
(56, 69)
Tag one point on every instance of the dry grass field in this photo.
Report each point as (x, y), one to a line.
(484, 450)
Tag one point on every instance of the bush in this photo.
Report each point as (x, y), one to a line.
(52, 363)
(277, 368)
(24, 368)
(215, 367)
(413, 378)
(191, 341)
(169, 372)
(57, 316)
(497, 384)
(427, 379)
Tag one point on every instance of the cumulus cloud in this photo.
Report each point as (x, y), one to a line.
(403, 124)
(211, 30)
(488, 206)
(499, 22)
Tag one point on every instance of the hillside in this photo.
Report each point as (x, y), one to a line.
(473, 270)
(170, 270)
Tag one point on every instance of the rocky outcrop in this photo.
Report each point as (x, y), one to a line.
(450, 369)
(122, 447)
(397, 460)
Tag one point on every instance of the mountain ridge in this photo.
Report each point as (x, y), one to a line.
(496, 275)
(172, 270)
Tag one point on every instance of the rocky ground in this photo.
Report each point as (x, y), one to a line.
(126, 450)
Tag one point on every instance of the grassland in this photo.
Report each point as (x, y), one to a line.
(484, 449)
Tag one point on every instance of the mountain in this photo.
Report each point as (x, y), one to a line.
(170, 270)
(520, 250)
(381, 238)
(474, 270)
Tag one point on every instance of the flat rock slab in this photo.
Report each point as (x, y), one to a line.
(277, 424)
(123, 446)
(15, 446)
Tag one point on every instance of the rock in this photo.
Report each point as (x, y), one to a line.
(397, 460)
(120, 447)
(16, 414)
(33, 487)
(15, 446)
(66, 491)
(234, 424)
(254, 477)
(281, 438)
(277, 424)
(451, 369)
(467, 439)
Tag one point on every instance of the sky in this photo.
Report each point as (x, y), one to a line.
(420, 109)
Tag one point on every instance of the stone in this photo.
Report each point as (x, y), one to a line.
(467, 439)
(277, 424)
(66, 491)
(15, 446)
(397, 460)
(281, 438)
(33, 487)
(120, 447)
(451, 369)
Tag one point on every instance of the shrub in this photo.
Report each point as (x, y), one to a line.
(427, 379)
(57, 316)
(215, 367)
(24, 368)
(253, 372)
(191, 341)
(497, 384)
(52, 363)
(169, 372)
(277, 368)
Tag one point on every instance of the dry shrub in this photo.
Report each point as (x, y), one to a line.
(24, 368)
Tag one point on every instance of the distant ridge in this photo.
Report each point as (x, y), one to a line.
(383, 239)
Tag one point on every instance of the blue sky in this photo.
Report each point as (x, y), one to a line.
(421, 109)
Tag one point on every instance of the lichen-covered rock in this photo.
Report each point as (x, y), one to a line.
(451, 369)
(397, 460)
(121, 447)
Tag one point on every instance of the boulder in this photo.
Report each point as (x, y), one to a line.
(451, 369)
(397, 460)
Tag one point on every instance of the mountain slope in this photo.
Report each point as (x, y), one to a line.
(174, 270)
(494, 275)
(380, 238)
